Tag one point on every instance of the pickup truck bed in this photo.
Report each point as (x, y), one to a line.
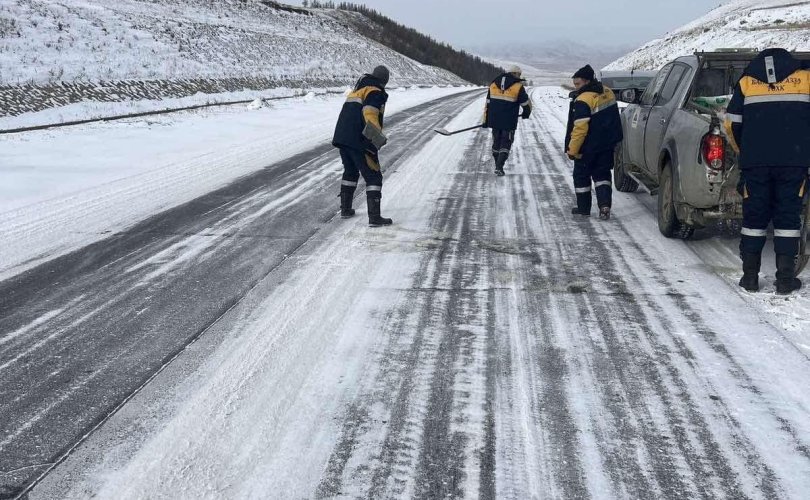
(668, 133)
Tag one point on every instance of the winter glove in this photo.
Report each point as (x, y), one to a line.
(527, 111)
(375, 135)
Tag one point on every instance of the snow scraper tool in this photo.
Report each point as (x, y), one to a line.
(444, 131)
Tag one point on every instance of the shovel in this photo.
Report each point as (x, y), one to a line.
(444, 131)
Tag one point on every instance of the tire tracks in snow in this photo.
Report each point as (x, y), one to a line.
(149, 292)
(436, 370)
(710, 470)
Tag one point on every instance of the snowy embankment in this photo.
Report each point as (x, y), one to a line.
(757, 24)
(47, 41)
(95, 110)
(63, 189)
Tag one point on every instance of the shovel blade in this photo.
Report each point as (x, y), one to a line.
(442, 131)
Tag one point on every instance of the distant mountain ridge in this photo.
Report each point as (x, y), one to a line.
(557, 55)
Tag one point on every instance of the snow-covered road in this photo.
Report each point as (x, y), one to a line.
(485, 346)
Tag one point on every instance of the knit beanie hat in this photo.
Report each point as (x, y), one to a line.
(381, 73)
(586, 73)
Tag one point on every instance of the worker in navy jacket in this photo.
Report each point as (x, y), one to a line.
(594, 129)
(768, 121)
(359, 136)
(507, 100)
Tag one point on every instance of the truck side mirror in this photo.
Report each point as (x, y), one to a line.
(629, 96)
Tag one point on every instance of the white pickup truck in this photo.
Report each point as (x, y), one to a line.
(675, 146)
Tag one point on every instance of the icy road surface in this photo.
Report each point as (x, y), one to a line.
(485, 346)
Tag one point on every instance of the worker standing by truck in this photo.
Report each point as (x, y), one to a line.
(768, 120)
(594, 129)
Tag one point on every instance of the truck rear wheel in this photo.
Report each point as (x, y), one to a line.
(668, 222)
(621, 180)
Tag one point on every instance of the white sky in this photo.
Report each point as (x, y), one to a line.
(591, 22)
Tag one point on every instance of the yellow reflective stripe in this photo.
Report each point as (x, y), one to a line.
(801, 189)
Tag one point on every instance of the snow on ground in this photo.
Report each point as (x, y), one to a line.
(61, 189)
(757, 24)
(312, 305)
(487, 345)
(89, 40)
(91, 110)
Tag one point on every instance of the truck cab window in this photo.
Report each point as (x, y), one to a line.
(671, 85)
(654, 88)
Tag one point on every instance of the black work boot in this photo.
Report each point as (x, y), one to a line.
(750, 277)
(346, 197)
(584, 203)
(604, 213)
(786, 280)
(502, 157)
(499, 161)
(373, 199)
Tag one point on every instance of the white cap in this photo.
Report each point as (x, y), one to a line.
(515, 70)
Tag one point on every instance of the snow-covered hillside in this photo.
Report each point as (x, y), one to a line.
(46, 41)
(741, 23)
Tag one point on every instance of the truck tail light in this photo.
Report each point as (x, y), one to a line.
(714, 150)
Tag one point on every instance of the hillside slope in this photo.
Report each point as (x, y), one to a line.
(48, 41)
(741, 23)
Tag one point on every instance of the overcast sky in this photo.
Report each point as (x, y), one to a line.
(467, 23)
